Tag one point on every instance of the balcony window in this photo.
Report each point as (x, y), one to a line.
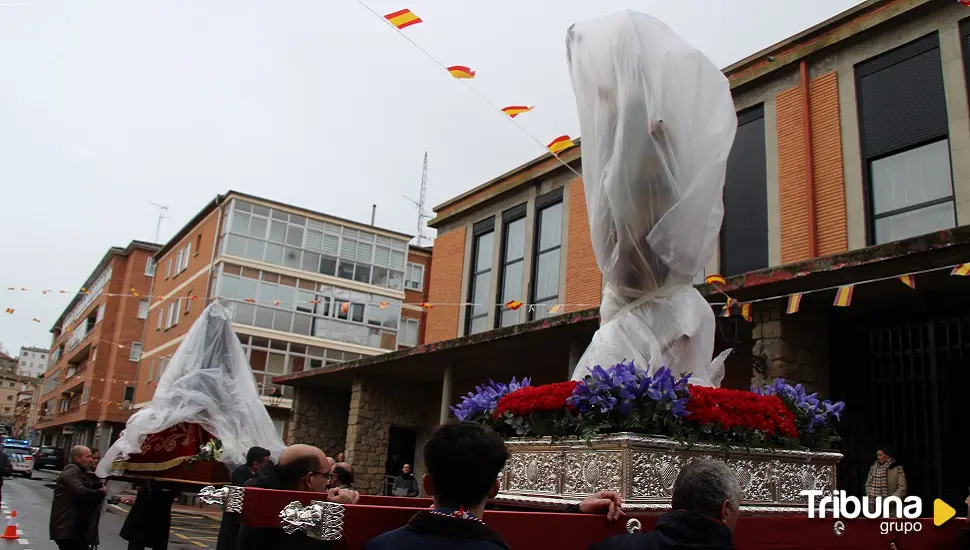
(414, 278)
(547, 254)
(483, 241)
(143, 309)
(408, 335)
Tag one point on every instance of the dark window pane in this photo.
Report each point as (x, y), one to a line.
(362, 273)
(345, 270)
(328, 265)
(395, 280)
(379, 276)
(357, 312)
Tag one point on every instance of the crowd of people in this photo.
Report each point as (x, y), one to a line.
(463, 461)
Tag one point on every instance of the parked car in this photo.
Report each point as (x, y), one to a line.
(49, 457)
(20, 459)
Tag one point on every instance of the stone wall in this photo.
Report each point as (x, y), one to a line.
(320, 419)
(375, 406)
(794, 347)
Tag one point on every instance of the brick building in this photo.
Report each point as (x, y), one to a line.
(307, 290)
(86, 394)
(849, 167)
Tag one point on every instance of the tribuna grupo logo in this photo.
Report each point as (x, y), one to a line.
(837, 505)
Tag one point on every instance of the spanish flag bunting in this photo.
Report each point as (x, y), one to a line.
(314, 301)
(460, 71)
(403, 18)
(746, 312)
(561, 143)
(134, 292)
(516, 110)
(715, 280)
(794, 302)
(961, 270)
(36, 320)
(23, 289)
(345, 307)
(84, 290)
(276, 302)
(249, 301)
(726, 312)
(63, 292)
(557, 308)
(844, 296)
(45, 291)
(909, 281)
(193, 298)
(513, 305)
(426, 305)
(384, 304)
(10, 310)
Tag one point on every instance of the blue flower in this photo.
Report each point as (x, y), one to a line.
(485, 398)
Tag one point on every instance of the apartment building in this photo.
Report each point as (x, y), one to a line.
(32, 361)
(87, 391)
(849, 167)
(307, 290)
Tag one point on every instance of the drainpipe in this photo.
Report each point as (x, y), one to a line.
(809, 159)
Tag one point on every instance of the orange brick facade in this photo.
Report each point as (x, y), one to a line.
(448, 258)
(829, 182)
(417, 297)
(584, 282)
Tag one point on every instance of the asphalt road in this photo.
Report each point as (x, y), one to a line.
(31, 498)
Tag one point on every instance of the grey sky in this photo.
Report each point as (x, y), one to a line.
(106, 106)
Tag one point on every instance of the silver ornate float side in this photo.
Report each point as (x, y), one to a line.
(542, 472)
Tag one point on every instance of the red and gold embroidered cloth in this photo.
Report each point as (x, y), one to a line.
(168, 455)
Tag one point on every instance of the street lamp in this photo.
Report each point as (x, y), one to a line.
(276, 397)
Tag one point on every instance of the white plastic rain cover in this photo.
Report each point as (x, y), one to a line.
(657, 123)
(208, 382)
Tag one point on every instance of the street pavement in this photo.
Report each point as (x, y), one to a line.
(31, 498)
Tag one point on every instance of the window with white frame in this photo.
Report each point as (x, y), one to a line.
(178, 261)
(414, 278)
(408, 335)
(185, 254)
(168, 268)
(161, 317)
(178, 311)
(171, 315)
(85, 394)
(143, 309)
(151, 370)
(135, 354)
(150, 267)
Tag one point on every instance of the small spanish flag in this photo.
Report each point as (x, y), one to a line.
(516, 110)
(36, 320)
(193, 298)
(10, 310)
(513, 305)
(909, 281)
(961, 270)
(794, 302)
(561, 143)
(276, 302)
(557, 308)
(134, 292)
(314, 301)
(249, 301)
(345, 307)
(844, 296)
(726, 312)
(746, 312)
(84, 290)
(46, 291)
(426, 305)
(383, 305)
(715, 280)
(460, 71)
(403, 18)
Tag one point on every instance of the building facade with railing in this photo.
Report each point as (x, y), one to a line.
(306, 290)
(86, 394)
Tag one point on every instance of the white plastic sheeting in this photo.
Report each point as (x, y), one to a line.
(210, 383)
(657, 123)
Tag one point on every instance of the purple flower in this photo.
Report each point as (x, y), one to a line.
(485, 398)
(817, 412)
(621, 386)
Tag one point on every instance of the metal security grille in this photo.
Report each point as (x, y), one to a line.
(904, 385)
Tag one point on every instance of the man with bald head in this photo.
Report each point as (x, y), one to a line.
(300, 468)
(75, 493)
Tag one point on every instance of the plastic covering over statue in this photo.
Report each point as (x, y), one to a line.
(205, 410)
(657, 122)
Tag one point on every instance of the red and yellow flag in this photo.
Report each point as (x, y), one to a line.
(746, 312)
(134, 292)
(276, 302)
(513, 305)
(345, 307)
(383, 305)
(460, 71)
(403, 18)
(10, 310)
(844, 296)
(249, 301)
(561, 143)
(961, 270)
(715, 279)
(557, 308)
(516, 110)
(794, 302)
(36, 320)
(426, 305)
(726, 312)
(909, 281)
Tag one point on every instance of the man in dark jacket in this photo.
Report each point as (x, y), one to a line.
(256, 459)
(405, 485)
(705, 507)
(75, 494)
(301, 468)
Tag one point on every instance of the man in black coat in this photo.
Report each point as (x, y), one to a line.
(301, 468)
(75, 494)
(149, 522)
(256, 459)
(705, 508)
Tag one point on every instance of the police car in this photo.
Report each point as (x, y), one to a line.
(19, 455)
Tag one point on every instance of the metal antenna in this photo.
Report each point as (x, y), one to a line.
(162, 209)
(422, 216)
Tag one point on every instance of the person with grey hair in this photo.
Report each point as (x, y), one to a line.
(705, 508)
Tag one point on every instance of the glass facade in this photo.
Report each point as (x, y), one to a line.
(269, 357)
(276, 237)
(279, 302)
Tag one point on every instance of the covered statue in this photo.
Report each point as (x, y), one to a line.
(657, 122)
(205, 415)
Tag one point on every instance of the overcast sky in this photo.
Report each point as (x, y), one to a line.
(107, 106)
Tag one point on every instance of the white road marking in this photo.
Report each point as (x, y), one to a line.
(23, 541)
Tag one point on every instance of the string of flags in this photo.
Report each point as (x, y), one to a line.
(405, 18)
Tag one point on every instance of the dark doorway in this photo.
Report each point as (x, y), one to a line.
(401, 446)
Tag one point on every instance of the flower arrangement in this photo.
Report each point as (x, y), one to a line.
(210, 452)
(626, 398)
